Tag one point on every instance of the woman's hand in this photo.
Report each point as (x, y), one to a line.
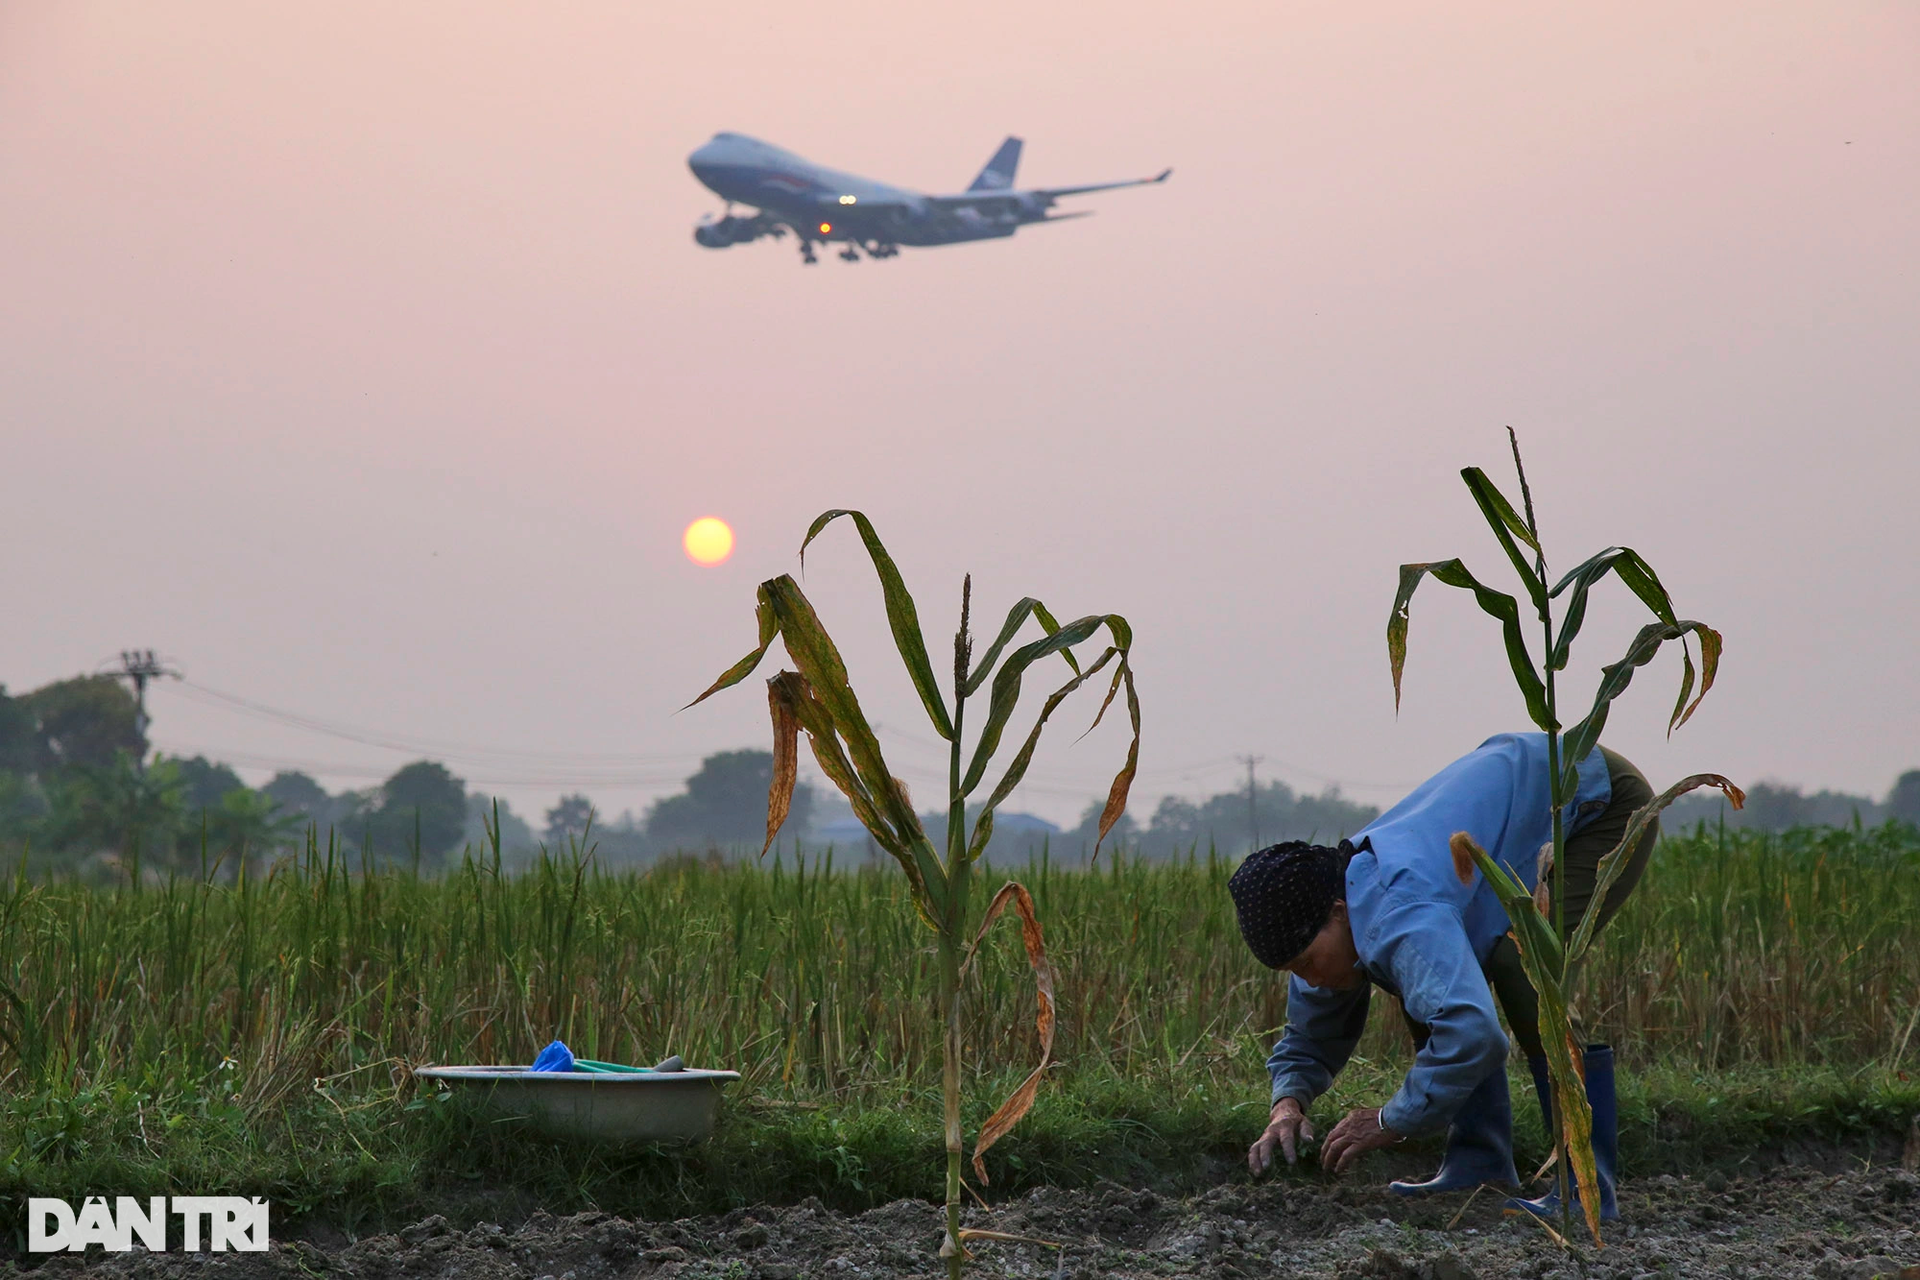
(1287, 1128)
(1353, 1137)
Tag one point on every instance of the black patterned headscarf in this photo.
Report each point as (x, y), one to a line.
(1284, 894)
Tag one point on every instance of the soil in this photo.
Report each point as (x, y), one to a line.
(1797, 1220)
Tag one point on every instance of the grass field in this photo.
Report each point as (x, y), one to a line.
(254, 1035)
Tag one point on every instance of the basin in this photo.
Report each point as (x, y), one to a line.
(581, 1106)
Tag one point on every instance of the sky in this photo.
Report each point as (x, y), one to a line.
(358, 359)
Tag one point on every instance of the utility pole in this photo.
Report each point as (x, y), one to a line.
(1253, 809)
(140, 666)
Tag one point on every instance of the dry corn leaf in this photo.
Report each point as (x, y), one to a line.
(1021, 1099)
(786, 760)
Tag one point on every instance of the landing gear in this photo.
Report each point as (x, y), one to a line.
(849, 252)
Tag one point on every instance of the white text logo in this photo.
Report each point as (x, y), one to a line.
(216, 1223)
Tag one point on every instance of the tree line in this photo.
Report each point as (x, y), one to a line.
(77, 788)
(1776, 806)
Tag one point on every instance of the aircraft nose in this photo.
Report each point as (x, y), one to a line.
(707, 168)
(708, 156)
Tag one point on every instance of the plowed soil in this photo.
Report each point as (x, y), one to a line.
(1799, 1221)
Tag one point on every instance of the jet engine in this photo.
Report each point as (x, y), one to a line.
(718, 233)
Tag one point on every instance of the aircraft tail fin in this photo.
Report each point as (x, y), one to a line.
(998, 175)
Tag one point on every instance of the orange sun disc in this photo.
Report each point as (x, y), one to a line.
(708, 540)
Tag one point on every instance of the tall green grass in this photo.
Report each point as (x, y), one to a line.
(813, 977)
(1745, 948)
(254, 1035)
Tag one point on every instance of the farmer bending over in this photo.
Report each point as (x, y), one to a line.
(1386, 909)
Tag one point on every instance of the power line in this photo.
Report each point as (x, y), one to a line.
(503, 766)
(424, 746)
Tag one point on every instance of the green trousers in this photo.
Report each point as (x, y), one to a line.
(1584, 851)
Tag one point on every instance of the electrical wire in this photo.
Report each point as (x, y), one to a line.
(424, 746)
(578, 770)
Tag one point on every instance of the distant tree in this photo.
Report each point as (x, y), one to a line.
(352, 817)
(725, 804)
(23, 803)
(1125, 834)
(204, 783)
(1327, 817)
(341, 818)
(245, 824)
(422, 797)
(617, 842)
(296, 793)
(569, 817)
(19, 735)
(1221, 821)
(292, 789)
(23, 807)
(517, 843)
(1179, 824)
(1773, 806)
(117, 807)
(1903, 801)
(87, 720)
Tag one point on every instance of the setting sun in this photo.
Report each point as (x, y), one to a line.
(708, 541)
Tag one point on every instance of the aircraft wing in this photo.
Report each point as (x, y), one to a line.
(1161, 176)
(1005, 201)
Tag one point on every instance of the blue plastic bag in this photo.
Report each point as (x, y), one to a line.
(555, 1057)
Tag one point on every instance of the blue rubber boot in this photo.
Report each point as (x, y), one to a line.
(1479, 1143)
(1606, 1132)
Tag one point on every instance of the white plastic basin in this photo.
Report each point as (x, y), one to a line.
(643, 1106)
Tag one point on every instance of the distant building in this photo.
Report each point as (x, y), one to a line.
(1014, 834)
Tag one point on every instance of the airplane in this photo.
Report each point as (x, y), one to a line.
(821, 206)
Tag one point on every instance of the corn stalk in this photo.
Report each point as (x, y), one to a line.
(818, 699)
(1539, 919)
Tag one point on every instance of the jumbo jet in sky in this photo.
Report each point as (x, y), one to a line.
(787, 193)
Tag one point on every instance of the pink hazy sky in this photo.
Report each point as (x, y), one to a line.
(358, 358)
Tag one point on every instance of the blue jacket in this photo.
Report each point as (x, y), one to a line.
(1424, 936)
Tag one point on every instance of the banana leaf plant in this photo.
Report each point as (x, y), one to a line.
(1540, 926)
(819, 700)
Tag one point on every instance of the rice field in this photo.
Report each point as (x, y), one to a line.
(815, 979)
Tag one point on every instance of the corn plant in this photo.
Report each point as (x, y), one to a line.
(1539, 919)
(818, 700)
